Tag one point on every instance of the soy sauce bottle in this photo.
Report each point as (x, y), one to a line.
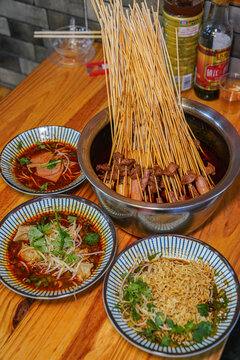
(214, 47)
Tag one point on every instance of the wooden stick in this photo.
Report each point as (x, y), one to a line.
(147, 119)
(70, 36)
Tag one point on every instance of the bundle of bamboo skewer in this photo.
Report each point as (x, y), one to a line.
(148, 125)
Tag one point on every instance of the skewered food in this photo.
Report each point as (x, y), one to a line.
(153, 147)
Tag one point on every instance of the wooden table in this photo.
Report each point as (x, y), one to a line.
(78, 328)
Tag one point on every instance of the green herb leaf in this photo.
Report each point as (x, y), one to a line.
(56, 252)
(152, 325)
(40, 244)
(159, 321)
(71, 258)
(203, 309)
(135, 314)
(150, 306)
(170, 323)
(19, 145)
(40, 282)
(63, 235)
(135, 290)
(23, 161)
(178, 329)
(44, 186)
(166, 340)
(189, 326)
(203, 330)
(44, 228)
(52, 163)
(40, 145)
(34, 234)
(91, 238)
(123, 275)
(71, 218)
(151, 257)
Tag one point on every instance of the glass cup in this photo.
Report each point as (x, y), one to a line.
(230, 93)
(72, 52)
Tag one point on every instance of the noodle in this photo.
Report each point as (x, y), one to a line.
(179, 287)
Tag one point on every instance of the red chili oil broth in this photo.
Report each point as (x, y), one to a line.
(26, 273)
(62, 182)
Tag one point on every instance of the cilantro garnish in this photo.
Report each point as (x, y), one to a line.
(44, 186)
(134, 291)
(19, 145)
(40, 145)
(71, 218)
(42, 282)
(63, 235)
(135, 314)
(177, 329)
(203, 309)
(189, 326)
(71, 258)
(24, 161)
(166, 340)
(170, 323)
(37, 240)
(151, 257)
(91, 238)
(203, 330)
(150, 306)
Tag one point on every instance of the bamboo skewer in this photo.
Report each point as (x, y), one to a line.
(146, 116)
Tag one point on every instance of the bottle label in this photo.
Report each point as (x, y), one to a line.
(211, 66)
(188, 31)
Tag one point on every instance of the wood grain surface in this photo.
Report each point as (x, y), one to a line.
(78, 327)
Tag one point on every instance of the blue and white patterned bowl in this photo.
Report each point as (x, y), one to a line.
(179, 247)
(46, 205)
(29, 138)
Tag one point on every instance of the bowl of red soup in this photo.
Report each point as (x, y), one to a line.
(42, 160)
(55, 246)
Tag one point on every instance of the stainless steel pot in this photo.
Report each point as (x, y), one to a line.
(143, 219)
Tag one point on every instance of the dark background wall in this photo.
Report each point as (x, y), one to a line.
(20, 53)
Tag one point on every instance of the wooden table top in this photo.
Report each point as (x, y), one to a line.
(78, 328)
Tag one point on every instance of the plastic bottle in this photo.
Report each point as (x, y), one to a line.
(215, 41)
(183, 17)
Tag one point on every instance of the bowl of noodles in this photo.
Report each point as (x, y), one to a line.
(55, 246)
(42, 160)
(172, 295)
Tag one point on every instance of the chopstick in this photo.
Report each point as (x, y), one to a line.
(68, 34)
